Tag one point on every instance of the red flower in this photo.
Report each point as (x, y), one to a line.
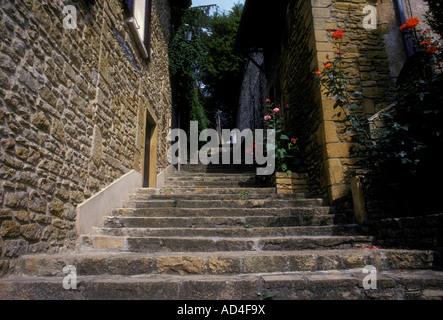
(411, 23)
(402, 28)
(426, 42)
(328, 65)
(432, 49)
(338, 34)
(318, 73)
(339, 52)
(293, 140)
(267, 100)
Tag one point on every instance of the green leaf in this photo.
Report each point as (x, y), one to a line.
(284, 137)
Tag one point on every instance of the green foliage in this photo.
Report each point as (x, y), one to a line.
(284, 147)
(205, 74)
(404, 150)
(185, 57)
(222, 69)
(333, 81)
(413, 131)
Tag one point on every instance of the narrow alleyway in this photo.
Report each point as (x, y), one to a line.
(213, 233)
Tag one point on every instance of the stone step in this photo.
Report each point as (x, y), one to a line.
(306, 212)
(336, 284)
(228, 197)
(187, 174)
(220, 167)
(235, 204)
(249, 231)
(219, 184)
(212, 177)
(215, 244)
(105, 263)
(217, 222)
(170, 190)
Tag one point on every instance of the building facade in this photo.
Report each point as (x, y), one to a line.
(292, 36)
(85, 103)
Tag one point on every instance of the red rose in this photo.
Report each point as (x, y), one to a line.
(338, 34)
(411, 23)
(432, 49)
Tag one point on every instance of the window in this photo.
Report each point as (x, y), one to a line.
(140, 23)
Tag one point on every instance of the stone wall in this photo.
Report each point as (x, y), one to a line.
(73, 105)
(373, 58)
(419, 232)
(290, 82)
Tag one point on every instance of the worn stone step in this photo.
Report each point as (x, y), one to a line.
(336, 284)
(222, 183)
(219, 168)
(170, 190)
(249, 203)
(227, 197)
(248, 231)
(219, 222)
(214, 244)
(187, 174)
(225, 212)
(210, 263)
(212, 177)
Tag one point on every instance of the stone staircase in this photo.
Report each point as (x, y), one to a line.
(212, 232)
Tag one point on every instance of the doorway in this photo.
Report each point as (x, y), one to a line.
(149, 151)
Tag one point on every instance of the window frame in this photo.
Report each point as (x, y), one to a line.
(143, 41)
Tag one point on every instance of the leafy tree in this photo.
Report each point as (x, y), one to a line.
(205, 73)
(221, 68)
(185, 58)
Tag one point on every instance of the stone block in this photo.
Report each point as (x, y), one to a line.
(181, 265)
(18, 199)
(321, 12)
(302, 262)
(222, 265)
(337, 192)
(321, 3)
(264, 263)
(329, 262)
(10, 228)
(333, 172)
(345, 6)
(40, 121)
(338, 150)
(130, 266)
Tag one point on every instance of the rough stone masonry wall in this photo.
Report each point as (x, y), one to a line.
(291, 82)
(367, 60)
(69, 107)
(373, 58)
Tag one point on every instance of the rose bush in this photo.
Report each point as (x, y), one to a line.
(284, 147)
